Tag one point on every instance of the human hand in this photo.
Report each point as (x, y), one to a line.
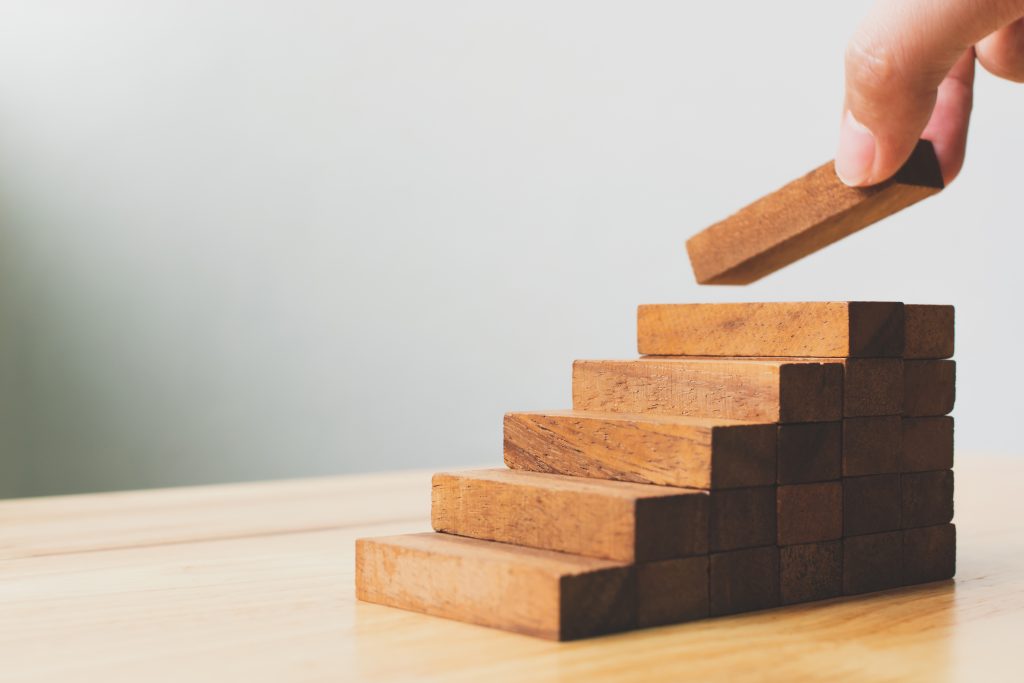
(910, 74)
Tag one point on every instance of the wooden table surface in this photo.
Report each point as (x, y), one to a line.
(255, 582)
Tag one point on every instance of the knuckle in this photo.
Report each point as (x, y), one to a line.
(873, 67)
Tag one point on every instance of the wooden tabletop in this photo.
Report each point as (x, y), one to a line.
(255, 582)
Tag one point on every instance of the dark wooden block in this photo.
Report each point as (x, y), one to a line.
(812, 571)
(809, 512)
(872, 562)
(744, 580)
(872, 386)
(671, 591)
(929, 331)
(871, 504)
(871, 445)
(742, 518)
(927, 498)
(929, 554)
(810, 452)
(927, 444)
(929, 387)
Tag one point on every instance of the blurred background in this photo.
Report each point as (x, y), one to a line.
(251, 240)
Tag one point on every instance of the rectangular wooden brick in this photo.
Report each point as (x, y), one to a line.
(536, 592)
(742, 518)
(811, 571)
(809, 513)
(927, 444)
(927, 498)
(871, 504)
(929, 387)
(751, 390)
(744, 580)
(929, 331)
(804, 216)
(872, 445)
(593, 517)
(929, 554)
(872, 386)
(815, 329)
(647, 449)
(671, 591)
(872, 562)
(810, 452)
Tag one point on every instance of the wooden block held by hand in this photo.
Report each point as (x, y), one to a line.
(929, 387)
(591, 517)
(872, 445)
(812, 571)
(809, 513)
(927, 498)
(742, 518)
(929, 331)
(804, 216)
(744, 580)
(929, 554)
(826, 329)
(671, 591)
(536, 592)
(872, 562)
(648, 449)
(927, 444)
(751, 390)
(871, 504)
(810, 452)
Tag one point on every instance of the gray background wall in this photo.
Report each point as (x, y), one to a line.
(244, 240)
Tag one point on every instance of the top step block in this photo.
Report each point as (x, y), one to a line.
(839, 329)
(929, 332)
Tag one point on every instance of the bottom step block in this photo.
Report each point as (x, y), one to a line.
(537, 592)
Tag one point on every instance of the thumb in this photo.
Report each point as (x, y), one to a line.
(894, 65)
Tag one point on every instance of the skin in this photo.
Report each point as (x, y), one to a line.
(910, 74)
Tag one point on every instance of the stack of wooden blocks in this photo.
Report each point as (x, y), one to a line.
(756, 455)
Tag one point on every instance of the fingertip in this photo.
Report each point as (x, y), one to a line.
(855, 156)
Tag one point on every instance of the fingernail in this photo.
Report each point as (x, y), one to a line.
(856, 153)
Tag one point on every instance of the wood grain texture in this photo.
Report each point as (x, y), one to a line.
(744, 580)
(929, 387)
(872, 386)
(927, 444)
(808, 329)
(927, 498)
(804, 216)
(591, 517)
(811, 571)
(742, 518)
(872, 445)
(810, 452)
(872, 562)
(536, 592)
(752, 390)
(647, 449)
(871, 504)
(929, 331)
(809, 513)
(929, 554)
(671, 591)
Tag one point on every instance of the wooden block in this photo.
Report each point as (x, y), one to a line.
(927, 498)
(814, 329)
(744, 580)
(812, 571)
(647, 449)
(929, 387)
(808, 513)
(593, 517)
(872, 445)
(872, 386)
(752, 390)
(537, 592)
(871, 504)
(742, 518)
(671, 591)
(929, 554)
(927, 444)
(873, 562)
(929, 331)
(810, 452)
(804, 216)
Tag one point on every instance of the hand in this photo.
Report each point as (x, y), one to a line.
(910, 74)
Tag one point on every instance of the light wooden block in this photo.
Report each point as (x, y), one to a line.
(871, 504)
(752, 390)
(872, 562)
(536, 592)
(927, 444)
(813, 329)
(929, 387)
(929, 331)
(929, 554)
(671, 591)
(808, 513)
(804, 216)
(647, 449)
(810, 452)
(872, 445)
(592, 517)
(811, 571)
(927, 498)
(744, 580)
(742, 518)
